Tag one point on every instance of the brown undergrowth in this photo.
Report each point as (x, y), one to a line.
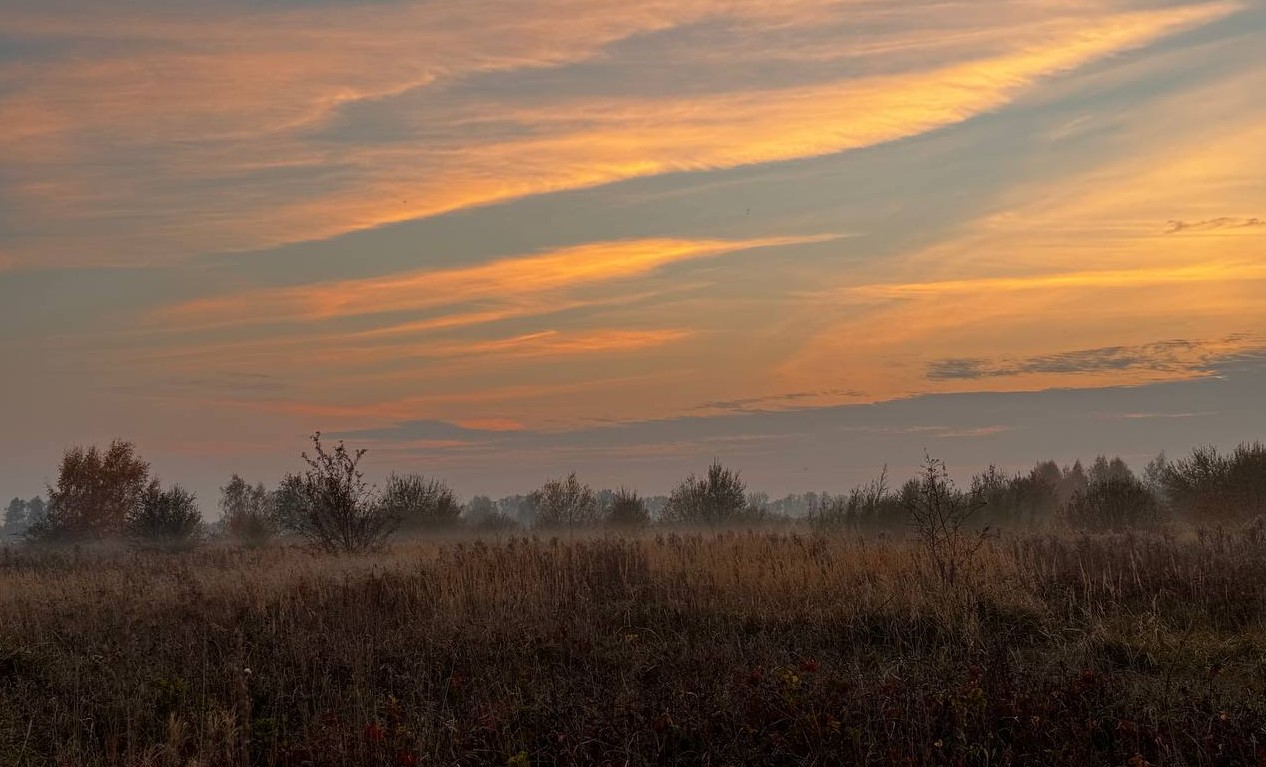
(709, 648)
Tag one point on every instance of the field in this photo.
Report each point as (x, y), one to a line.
(707, 648)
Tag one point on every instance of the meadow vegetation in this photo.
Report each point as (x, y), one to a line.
(1061, 616)
(671, 647)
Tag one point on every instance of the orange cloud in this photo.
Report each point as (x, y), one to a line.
(1001, 284)
(505, 280)
(534, 404)
(235, 99)
(531, 346)
(991, 287)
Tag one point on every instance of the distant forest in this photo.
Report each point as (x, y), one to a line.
(110, 493)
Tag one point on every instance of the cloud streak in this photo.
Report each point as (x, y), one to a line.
(1222, 222)
(1178, 356)
(776, 401)
(505, 280)
(1105, 278)
(1005, 171)
(200, 109)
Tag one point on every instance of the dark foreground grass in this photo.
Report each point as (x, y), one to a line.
(734, 648)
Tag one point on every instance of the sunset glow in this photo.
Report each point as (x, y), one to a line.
(502, 241)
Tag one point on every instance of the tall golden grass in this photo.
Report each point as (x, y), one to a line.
(692, 648)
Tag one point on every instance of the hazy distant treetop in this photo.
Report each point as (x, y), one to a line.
(1114, 502)
(479, 507)
(15, 517)
(1154, 476)
(1104, 469)
(248, 512)
(290, 505)
(627, 510)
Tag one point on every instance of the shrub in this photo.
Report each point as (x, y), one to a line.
(341, 511)
(95, 493)
(942, 517)
(419, 503)
(565, 503)
(484, 515)
(167, 519)
(248, 512)
(1114, 503)
(831, 512)
(1218, 488)
(868, 505)
(496, 522)
(719, 498)
(627, 510)
(1014, 501)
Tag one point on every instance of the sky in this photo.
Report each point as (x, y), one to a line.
(496, 241)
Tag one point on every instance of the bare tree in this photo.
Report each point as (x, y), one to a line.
(716, 499)
(341, 511)
(565, 503)
(864, 506)
(941, 517)
(420, 503)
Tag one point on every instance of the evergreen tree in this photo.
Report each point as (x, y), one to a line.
(15, 518)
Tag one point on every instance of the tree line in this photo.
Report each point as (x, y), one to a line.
(1205, 488)
(111, 494)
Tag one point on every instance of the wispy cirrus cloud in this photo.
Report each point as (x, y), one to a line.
(1005, 170)
(505, 280)
(1077, 255)
(184, 109)
(542, 345)
(1043, 282)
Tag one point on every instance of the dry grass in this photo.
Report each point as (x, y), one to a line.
(723, 648)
